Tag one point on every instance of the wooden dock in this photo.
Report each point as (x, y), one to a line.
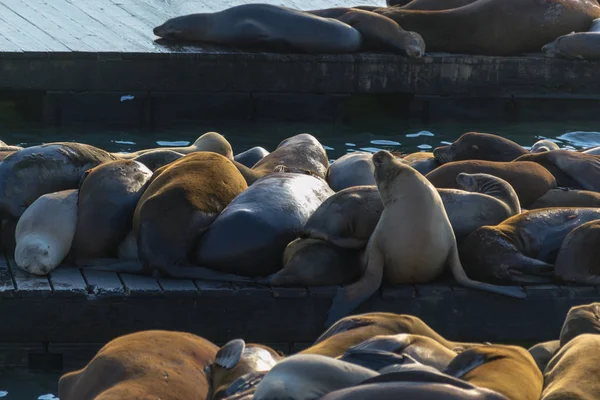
(68, 315)
(97, 60)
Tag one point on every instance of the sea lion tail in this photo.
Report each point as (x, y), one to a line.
(461, 277)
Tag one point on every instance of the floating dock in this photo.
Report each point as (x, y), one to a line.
(98, 61)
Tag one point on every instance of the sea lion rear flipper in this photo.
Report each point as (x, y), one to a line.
(350, 297)
(461, 277)
(537, 272)
(230, 354)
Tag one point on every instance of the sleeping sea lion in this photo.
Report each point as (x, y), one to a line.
(479, 146)
(578, 260)
(576, 45)
(352, 169)
(543, 145)
(154, 159)
(251, 156)
(565, 197)
(580, 320)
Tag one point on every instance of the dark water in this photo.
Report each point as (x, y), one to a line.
(338, 139)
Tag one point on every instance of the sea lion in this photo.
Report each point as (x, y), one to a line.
(422, 161)
(573, 372)
(352, 169)
(108, 196)
(423, 349)
(210, 141)
(412, 390)
(251, 156)
(148, 364)
(543, 145)
(523, 248)
(315, 262)
(479, 146)
(571, 169)
(576, 45)
(509, 370)
(48, 168)
(154, 159)
(347, 218)
(309, 376)
(428, 4)
(250, 235)
(237, 362)
(264, 25)
(422, 246)
(378, 33)
(543, 352)
(565, 197)
(45, 232)
(352, 330)
(181, 201)
(459, 30)
(529, 180)
(485, 200)
(580, 320)
(578, 260)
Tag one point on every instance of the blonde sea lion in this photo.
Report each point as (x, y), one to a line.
(422, 246)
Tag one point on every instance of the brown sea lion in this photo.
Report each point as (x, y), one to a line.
(416, 251)
(459, 30)
(573, 372)
(143, 365)
(509, 370)
(108, 196)
(578, 259)
(577, 45)
(543, 352)
(265, 25)
(523, 248)
(580, 320)
(181, 201)
(565, 197)
(479, 146)
(238, 364)
(352, 169)
(48, 168)
(529, 180)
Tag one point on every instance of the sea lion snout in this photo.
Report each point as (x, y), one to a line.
(415, 48)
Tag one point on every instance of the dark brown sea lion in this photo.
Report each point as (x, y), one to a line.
(416, 251)
(542, 353)
(580, 320)
(529, 180)
(523, 248)
(459, 30)
(108, 196)
(378, 32)
(578, 259)
(181, 201)
(509, 370)
(571, 169)
(565, 197)
(573, 372)
(479, 146)
(264, 25)
(154, 159)
(48, 168)
(577, 45)
(144, 365)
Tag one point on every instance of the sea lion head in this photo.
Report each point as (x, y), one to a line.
(34, 254)
(413, 44)
(215, 142)
(191, 27)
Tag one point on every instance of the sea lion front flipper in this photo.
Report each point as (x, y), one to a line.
(350, 297)
(461, 277)
(230, 354)
(585, 171)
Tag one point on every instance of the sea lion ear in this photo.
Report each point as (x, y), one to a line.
(230, 354)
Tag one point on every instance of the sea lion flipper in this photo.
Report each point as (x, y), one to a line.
(536, 272)
(461, 277)
(350, 297)
(230, 354)
(347, 324)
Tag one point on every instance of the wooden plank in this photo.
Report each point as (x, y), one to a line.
(143, 11)
(178, 287)
(29, 285)
(116, 42)
(68, 281)
(138, 285)
(51, 28)
(26, 35)
(5, 44)
(120, 22)
(102, 283)
(7, 286)
(212, 288)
